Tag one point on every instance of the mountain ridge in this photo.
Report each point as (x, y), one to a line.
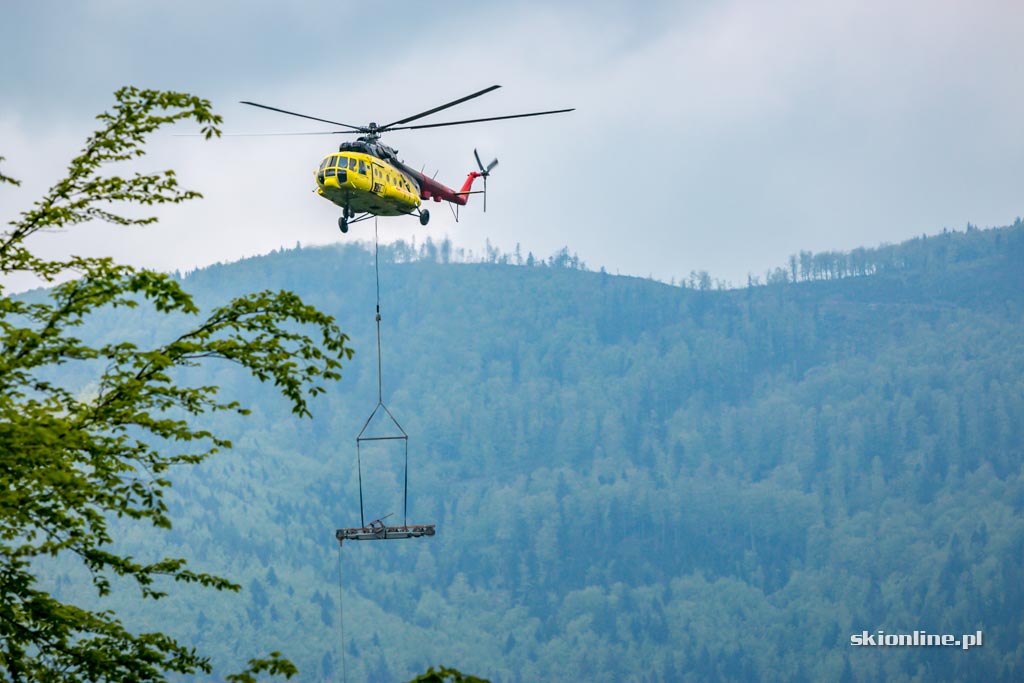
(629, 478)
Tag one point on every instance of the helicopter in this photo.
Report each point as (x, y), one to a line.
(366, 178)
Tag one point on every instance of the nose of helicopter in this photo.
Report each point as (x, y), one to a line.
(331, 177)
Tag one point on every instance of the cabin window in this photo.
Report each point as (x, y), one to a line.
(351, 164)
(362, 167)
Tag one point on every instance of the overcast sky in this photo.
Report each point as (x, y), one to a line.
(721, 136)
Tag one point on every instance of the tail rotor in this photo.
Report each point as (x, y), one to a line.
(484, 172)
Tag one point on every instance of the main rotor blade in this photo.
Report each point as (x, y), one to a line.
(292, 113)
(437, 109)
(490, 118)
(263, 135)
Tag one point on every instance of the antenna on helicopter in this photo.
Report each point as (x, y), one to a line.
(484, 172)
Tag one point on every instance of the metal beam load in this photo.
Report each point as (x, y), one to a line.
(377, 531)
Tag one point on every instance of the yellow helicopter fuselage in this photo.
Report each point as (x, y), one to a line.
(365, 183)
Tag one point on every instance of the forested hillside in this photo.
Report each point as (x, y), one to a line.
(631, 481)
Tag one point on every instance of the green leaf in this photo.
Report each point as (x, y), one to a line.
(74, 460)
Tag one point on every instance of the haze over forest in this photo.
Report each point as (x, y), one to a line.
(631, 481)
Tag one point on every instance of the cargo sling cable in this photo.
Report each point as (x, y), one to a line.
(377, 529)
(341, 623)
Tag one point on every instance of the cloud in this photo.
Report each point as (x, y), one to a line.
(720, 136)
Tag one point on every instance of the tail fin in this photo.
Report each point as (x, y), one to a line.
(468, 185)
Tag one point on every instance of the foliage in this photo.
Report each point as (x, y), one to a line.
(632, 480)
(273, 665)
(445, 675)
(76, 456)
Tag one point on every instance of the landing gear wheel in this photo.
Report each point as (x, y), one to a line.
(424, 216)
(343, 224)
